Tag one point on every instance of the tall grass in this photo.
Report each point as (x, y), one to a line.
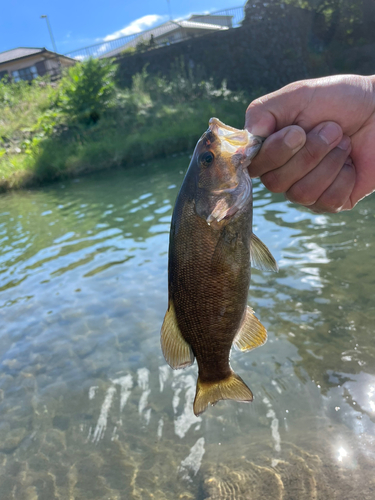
(87, 123)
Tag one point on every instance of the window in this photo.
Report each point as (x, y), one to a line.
(25, 74)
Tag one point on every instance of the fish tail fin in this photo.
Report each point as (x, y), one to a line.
(232, 387)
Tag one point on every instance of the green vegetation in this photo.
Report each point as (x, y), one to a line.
(341, 22)
(88, 91)
(86, 122)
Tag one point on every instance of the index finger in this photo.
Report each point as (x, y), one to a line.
(277, 150)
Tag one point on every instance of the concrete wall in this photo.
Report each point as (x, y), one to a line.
(276, 44)
(268, 51)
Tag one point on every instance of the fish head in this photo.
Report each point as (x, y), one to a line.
(221, 158)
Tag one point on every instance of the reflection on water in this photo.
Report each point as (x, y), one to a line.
(90, 410)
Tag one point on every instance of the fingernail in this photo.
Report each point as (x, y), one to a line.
(293, 138)
(329, 133)
(261, 130)
(344, 143)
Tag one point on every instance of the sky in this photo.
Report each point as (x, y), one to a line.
(78, 23)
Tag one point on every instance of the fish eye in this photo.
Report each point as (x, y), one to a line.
(207, 158)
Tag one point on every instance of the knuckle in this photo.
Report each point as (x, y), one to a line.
(334, 199)
(332, 204)
(301, 193)
(334, 160)
(253, 105)
(310, 154)
(266, 157)
(272, 182)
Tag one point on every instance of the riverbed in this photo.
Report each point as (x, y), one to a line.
(89, 410)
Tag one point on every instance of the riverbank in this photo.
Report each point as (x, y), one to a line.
(87, 123)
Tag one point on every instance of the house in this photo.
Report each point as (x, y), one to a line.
(175, 31)
(26, 63)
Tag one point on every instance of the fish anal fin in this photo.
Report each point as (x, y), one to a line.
(232, 387)
(251, 334)
(177, 352)
(260, 256)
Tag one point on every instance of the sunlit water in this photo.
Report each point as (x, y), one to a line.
(90, 410)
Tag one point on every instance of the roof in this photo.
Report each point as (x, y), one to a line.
(222, 19)
(10, 55)
(205, 26)
(170, 26)
(22, 52)
(165, 29)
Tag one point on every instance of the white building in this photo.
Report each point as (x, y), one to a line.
(175, 31)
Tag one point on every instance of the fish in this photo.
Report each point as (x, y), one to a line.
(211, 250)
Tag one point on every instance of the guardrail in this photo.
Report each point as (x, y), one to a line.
(165, 34)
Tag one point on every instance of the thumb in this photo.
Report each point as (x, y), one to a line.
(277, 110)
(260, 119)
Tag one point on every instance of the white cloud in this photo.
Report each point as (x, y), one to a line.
(136, 26)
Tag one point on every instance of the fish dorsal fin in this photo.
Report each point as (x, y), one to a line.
(260, 256)
(177, 352)
(251, 334)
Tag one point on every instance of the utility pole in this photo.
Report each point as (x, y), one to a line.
(169, 10)
(54, 73)
(50, 33)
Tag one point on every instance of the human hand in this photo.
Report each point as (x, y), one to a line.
(320, 146)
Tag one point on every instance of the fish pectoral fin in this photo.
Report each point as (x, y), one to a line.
(260, 256)
(177, 352)
(251, 334)
(232, 387)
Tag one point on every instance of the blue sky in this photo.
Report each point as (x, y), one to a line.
(78, 23)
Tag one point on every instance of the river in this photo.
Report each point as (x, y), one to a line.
(89, 410)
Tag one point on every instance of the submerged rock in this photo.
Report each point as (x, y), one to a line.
(10, 440)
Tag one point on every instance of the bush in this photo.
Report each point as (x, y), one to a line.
(64, 136)
(88, 90)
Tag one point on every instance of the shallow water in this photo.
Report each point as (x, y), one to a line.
(90, 410)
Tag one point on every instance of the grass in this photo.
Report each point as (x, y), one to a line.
(21, 107)
(42, 139)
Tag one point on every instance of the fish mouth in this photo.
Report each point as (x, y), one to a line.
(236, 142)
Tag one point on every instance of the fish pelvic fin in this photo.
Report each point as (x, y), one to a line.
(232, 387)
(177, 352)
(261, 257)
(251, 334)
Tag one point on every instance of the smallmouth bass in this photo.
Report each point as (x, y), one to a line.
(211, 249)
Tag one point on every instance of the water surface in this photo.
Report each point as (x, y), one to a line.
(90, 410)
